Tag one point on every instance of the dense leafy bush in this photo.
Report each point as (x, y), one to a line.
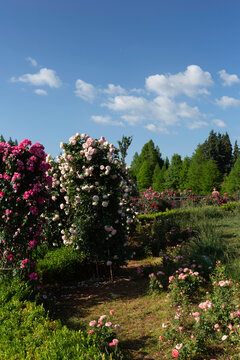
(64, 264)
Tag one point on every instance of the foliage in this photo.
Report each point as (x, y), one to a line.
(155, 282)
(63, 264)
(231, 183)
(123, 146)
(151, 155)
(172, 175)
(183, 284)
(28, 333)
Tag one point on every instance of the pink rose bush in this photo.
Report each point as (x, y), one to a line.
(183, 284)
(201, 330)
(24, 194)
(93, 209)
(105, 329)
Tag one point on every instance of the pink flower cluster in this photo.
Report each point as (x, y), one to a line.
(24, 192)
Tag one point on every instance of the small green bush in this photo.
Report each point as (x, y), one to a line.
(65, 264)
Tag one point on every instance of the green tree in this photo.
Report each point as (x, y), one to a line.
(195, 170)
(183, 176)
(10, 141)
(218, 147)
(149, 153)
(158, 178)
(172, 175)
(123, 146)
(210, 176)
(144, 176)
(231, 182)
(236, 152)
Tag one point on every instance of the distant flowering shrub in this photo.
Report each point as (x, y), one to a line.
(24, 194)
(95, 188)
(151, 202)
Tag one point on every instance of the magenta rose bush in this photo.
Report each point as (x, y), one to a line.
(94, 188)
(24, 194)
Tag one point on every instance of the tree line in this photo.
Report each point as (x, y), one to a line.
(215, 163)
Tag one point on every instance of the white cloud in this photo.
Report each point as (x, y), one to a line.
(196, 124)
(219, 123)
(227, 101)
(191, 82)
(43, 77)
(105, 120)
(156, 129)
(114, 90)
(228, 79)
(32, 61)
(40, 92)
(85, 90)
(160, 112)
(126, 103)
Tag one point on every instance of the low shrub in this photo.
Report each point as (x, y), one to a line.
(28, 333)
(63, 264)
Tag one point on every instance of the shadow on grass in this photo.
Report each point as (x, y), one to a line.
(71, 304)
(133, 348)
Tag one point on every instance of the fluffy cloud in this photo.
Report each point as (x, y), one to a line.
(32, 61)
(227, 101)
(126, 103)
(219, 123)
(85, 90)
(42, 78)
(114, 90)
(228, 79)
(191, 82)
(159, 113)
(105, 120)
(40, 92)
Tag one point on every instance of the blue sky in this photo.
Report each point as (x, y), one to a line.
(162, 70)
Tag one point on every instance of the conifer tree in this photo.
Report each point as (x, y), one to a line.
(210, 177)
(144, 176)
(149, 153)
(172, 175)
(236, 152)
(123, 146)
(158, 178)
(231, 182)
(183, 176)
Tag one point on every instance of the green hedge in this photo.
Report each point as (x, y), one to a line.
(176, 213)
(63, 264)
(27, 333)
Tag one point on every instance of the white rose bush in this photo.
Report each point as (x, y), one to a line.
(95, 188)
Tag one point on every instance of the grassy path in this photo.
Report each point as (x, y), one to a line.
(139, 314)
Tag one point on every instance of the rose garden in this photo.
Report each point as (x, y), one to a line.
(91, 268)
